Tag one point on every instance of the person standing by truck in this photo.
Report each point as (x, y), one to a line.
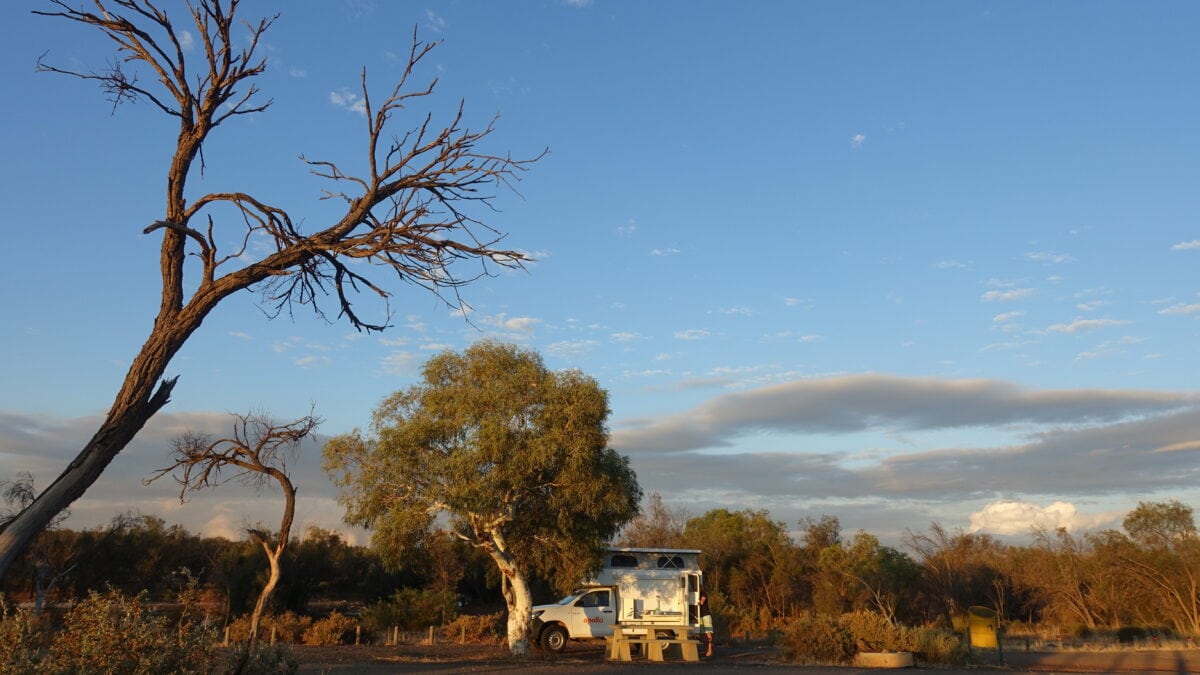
(706, 623)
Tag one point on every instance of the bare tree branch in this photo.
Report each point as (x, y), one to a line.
(256, 453)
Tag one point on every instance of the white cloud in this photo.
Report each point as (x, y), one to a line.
(665, 252)
(624, 337)
(520, 324)
(568, 349)
(240, 335)
(1007, 316)
(1186, 245)
(806, 303)
(312, 361)
(345, 98)
(1180, 309)
(736, 311)
(1081, 325)
(435, 23)
(857, 140)
(1015, 517)
(692, 334)
(950, 265)
(222, 524)
(1047, 257)
(399, 362)
(186, 40)
(1008, 295)
(579, 4)
(298, 73)
(628, 229)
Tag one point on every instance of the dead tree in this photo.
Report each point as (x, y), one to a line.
(257, 453)
(408, 215)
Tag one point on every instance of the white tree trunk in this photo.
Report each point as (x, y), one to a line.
(516, 596)
(520, 613)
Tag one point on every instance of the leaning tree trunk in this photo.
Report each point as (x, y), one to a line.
(135, 404)
(119, 428)
(274, 553)
(265, 596)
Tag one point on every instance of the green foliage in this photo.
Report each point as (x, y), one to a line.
(817, 639)
(484, 628)
(750, 561)
(114, 633)
(410, 609)
(332, 630)
(514, 454)
(1160, 524)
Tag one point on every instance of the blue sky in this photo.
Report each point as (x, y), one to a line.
(894, 262)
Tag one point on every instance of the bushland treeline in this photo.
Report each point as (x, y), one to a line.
(760, 572)
(1147, 574)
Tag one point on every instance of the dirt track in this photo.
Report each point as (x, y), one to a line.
(587, 658)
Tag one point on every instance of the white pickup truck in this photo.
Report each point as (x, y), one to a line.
(644, 585)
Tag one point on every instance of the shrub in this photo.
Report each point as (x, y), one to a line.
(817, 639)
(823, 639)
(20, 647)
(486, 628)
(328, 631)
(113, 633)
(874, 633)
(410, 609)
(934, 645)
(1128, 634)
(289, 627)
(262, 660)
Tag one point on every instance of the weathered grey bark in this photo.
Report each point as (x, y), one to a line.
(405, 216)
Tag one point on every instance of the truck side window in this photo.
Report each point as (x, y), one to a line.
(597, 599)
(621, 560)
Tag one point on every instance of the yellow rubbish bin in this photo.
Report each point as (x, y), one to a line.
(981, 624)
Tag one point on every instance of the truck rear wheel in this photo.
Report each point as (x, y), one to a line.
(554, 638)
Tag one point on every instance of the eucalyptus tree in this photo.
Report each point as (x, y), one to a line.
(407, 214)
(500, 452)
(1161, 554)
(874, 576)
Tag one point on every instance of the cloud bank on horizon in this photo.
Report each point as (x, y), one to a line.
(1066, 446)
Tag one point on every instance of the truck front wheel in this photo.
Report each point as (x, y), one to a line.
(554, 638)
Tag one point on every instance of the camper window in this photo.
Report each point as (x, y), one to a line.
(622, 560)
(673, 562)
